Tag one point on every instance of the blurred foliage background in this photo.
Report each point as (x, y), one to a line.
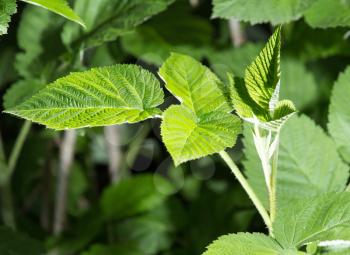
(115, 190)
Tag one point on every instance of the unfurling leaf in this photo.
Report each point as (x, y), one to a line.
(98, 97)
(202, 124)
(256, 97)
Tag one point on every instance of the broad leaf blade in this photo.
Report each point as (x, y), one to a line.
(194, 84)
(257, 11)
(326, 217)
(99, 97)
(245, 244)
(7, 8)
(60, 7)
(339, 114)
(304, 169)
(188, 136)
(106, 20)
(328, 13)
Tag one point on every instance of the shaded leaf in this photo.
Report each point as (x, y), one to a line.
(339, 114)
(135, 195)
(7, 8)
(98, 97)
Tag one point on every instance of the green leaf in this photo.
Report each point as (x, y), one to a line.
(339, 114)
(7, 8)
(21, 91)
(188, 136)
(135, 195)
(255, 99)
(60, 7)
(98, 97)
(322, 218)
(233, 60)
(202, 124)
(246, 244)
(298, 84)
(256, 11)
(193, 84)
(154, 41)
(303, 168)
(38, 40)
(125, 249)
(106, 20)
(328, 13)
(13, 243)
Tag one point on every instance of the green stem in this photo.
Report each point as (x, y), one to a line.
(18, 147)
(256, 201)
(273, 182)
(6, 174)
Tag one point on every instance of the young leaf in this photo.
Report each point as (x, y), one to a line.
(246, 244)
(339, 114)
(98, 97)
(135, 195)
(106, 20)
(322, 218)
(257, 11)
(7, 8)
(193, 84)
(256, 98)
(202, 125)
(328, 13)
(303, 168)
(188, 136)
(60, 7)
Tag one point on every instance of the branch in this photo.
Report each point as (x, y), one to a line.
(66, 158)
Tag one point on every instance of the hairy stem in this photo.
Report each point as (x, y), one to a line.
(248, 189)
(66, 157)
(273, 182)
(112, 138)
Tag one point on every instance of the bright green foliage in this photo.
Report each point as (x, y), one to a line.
(99, 97)
(7, 8)
(257, 96)
(21, 91)
(298, 84)
(60, 7)
(246, 244)
(326, 217)
(193, 84)
(105, 20)
(142, 193)
(202, 124)
(13, 243)
(303, 168)
(339, 114)
(257, 11)
(328, 13)
(189, 136)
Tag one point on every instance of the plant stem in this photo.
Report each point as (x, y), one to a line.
(18, 147)
(66, 158)
(112, 138)
(8, 214)
(246, 186)
(236, 33)
(273, 182)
